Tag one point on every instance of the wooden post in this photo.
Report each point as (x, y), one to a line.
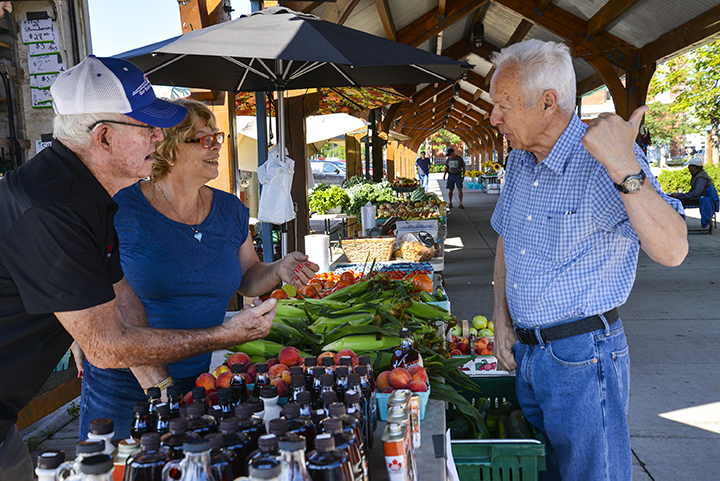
(377, 157)
(390, 155)
(353, 157)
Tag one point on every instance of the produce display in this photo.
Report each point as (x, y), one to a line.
(479, 340)
(502, 422)
(325, 197)
(405, 183)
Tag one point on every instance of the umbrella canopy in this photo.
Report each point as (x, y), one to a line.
(280, 49)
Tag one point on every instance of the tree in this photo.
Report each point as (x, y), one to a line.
(695, 77)
(332, 150)
(664, 124)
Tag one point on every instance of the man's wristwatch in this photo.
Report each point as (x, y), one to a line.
(632, 183)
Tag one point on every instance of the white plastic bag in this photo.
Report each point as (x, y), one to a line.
(276, 205)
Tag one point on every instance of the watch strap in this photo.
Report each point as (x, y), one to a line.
(640, 175)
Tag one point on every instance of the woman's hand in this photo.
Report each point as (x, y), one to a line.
(295, 269)
(79, 357)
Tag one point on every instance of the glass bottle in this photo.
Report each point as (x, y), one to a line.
(252, 426)
(354, 408)
(47, 464)
(176, 437)
(269, 396)
(195, 465)
(329, 364)
(154, 398)
(341, 382)
(199, 423)
(126, 447)
(345, 361)
(141, 423)
(147, 463)
(238, 386)
(225, 401)
(327, 398)
(304, 400)
(265, 471)
(317, 417)
(96, 468)
(405, 355)
(103, 429)
(267, 449)
(310, 364)
(327, 463)
(352, 426)
(299, 424)
(367, 385)
(222, 461)
(347, 443)
(175, 400)
(318, 373)
(162, 412)
(261, 378)
(297, 385)
(292, 458)
(278, 427)
(258, 407)
(199, 396)
(297, 370)
(238, 443)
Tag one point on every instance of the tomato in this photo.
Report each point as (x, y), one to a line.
(422, 283)
(279, 294)
(348, 277)
(308, 291)
(316, 282)
(329, 285)
(340, 284)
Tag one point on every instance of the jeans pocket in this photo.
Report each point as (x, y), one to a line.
(573, 351)
(621, 363)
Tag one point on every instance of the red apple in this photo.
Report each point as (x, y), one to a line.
(252, 372)
(272, 361)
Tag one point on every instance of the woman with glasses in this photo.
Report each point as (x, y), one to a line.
(185, 249)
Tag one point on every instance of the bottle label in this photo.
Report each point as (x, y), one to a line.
(397, 468)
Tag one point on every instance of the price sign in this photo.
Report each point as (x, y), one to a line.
(37, 31)
(43, 64)
(35, 49)
(43, 81)
(41, 98)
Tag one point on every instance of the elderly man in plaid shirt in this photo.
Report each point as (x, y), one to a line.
(578, 203)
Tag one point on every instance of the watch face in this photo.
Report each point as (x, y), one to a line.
(633, 184)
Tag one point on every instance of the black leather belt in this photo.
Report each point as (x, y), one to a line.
(575, 328)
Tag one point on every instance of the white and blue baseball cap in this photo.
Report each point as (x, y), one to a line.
(110, 85)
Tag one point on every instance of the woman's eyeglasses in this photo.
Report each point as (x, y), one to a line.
(208, 141)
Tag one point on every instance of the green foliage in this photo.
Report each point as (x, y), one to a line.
(663, 124)
(445, 137)
(332, 150)
(437, 168)
(362, 191)
(326, 196)
(674, 180)
(73, 410)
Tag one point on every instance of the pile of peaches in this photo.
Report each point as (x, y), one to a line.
(413, 378)
(462, 346)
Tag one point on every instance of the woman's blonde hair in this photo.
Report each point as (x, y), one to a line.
(166, 151)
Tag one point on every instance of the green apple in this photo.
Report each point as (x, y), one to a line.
(480, 322)
(472, 331)
(485, 333)
(456, 331)
(491, 326)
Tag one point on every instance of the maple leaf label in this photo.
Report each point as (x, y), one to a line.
(396, 468)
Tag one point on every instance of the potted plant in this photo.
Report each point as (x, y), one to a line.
(328, 199)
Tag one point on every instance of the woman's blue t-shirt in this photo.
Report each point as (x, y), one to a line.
(183, 283)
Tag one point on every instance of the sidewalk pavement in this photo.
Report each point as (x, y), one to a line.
(672, 321)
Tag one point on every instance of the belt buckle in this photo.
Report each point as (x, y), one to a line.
(526, 336)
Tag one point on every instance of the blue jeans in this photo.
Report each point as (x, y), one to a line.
(112, 393)
(576, 391)
(423, 178)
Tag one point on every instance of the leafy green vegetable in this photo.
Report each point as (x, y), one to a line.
(326, 196)
(361, 192)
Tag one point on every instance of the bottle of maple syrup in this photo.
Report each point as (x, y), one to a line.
(405, 355)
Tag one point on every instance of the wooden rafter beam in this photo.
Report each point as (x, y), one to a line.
(389, 115)
(573, 30)
(520, 32)
(607, 14)
(542, 5)
(441, 8)
(592, 82)
(480, 103)
(429, 24)
(420, 98)
(386, 18)
(617, 89)
(304, 7)
(690, 34)
(338, 12)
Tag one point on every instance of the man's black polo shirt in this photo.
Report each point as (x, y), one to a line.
(58, 252)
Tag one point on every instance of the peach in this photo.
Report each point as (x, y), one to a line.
(417, 386)
(387, 390)
(219, 370)
(456, 352)
(325, 354)
(282, 387)
(462, 347)
(399, 378)
(223, 380)
(289, 356)
(252, 372)
(418, 373)
(347, 352)
(248, 378)
(272, 361)
(212, 398)
(240, 357)
(206, 380)
(382, 380)
(485, 352)
(276, 369)
(187, 399)
(285, 376)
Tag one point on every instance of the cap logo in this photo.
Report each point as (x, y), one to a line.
(144, 87)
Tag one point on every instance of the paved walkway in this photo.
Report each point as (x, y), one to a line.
(672, 320)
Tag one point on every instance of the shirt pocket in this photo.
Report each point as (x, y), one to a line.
(563, 234)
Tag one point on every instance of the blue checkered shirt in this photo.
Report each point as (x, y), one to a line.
(570, 250)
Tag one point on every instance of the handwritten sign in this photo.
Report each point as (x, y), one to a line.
(35, 49)
(43, 81)
(41, 98)
(37, 31)
(43, 64)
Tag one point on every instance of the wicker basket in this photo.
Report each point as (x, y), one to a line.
(367, 249)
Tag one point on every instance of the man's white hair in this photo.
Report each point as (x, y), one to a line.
(542, 66)
(72, 130)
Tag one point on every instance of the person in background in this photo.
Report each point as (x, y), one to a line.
(59, 261)
(185, 249)
(423, 170)
(577, 205)
(455, 172)
(699, 183)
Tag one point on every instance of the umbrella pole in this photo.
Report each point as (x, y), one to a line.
(281, 143)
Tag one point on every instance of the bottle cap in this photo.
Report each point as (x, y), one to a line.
(324, 442)
(291, 411)
(277, 426)
(268, 392)
(297, 380)
(153, 393)
(237, 368)
(217, 413)
(229, 425)
(404, 333)
(243, 411)
(303, 397)
(163, 409)
(102, 426)
(333, 425)
(310, 361)
(150, 441)
(50, 459)
(328, 361)
(345, 361)
(317, 415)
(354, 378)
(328, 397)
(397, 414)
(268, 442)
(352, 397)
(257, 405)
(296, 370)
(141, 408)
(174, 391)
(318, 371)
(327, 380)
(337, 410)
(199, 392)
(261, 367)
(196, 445)
(341, 371)
(292, 442)
(98, 464)
(216, 440)
(195, 410)
(182, 410)
(364, 359)
(265, 469)
(178, 426)
(361, 370)
(223, 394)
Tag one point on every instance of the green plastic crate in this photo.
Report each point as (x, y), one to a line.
(498, 459)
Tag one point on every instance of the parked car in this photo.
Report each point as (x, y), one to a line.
(327, 172)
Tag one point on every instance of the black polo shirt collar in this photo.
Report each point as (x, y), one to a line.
(81, 174)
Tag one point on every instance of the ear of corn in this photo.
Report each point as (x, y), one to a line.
(339, 332)
(362, 343)
(428, 312)
(261, 348)
(325, 324)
